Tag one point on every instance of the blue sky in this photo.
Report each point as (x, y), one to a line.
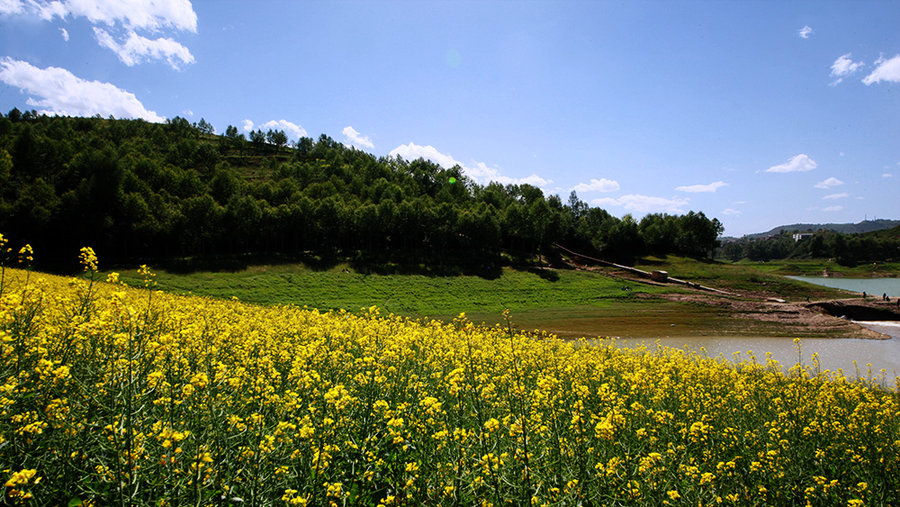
(757, 113)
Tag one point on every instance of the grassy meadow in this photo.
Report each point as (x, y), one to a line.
(115, 395)
(816, 267)
(565, 302)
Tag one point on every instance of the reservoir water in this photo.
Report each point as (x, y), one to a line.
(873, 286)
(852, 356)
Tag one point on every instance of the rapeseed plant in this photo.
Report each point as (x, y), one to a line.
(133, 396)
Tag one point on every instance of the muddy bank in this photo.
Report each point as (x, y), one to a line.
(833, 318)
(856, 309)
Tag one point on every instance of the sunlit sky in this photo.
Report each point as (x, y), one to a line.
(756, 113)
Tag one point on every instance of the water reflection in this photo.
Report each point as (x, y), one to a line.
(834, 353)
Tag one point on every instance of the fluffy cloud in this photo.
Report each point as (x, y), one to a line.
(595, 185)
(843, 67)
(123, 17)
(833, 208)
(712, 187)
(836, 196)
(137, 49)
(355, 138)
(887, 175)
(247, 125)
(885, 70)
(414, 151)
(133, 14)
(805, 32)
(8, 7)
(479, 171)
(828, 183)
(60, 92)
(293, 130)
(644, 203)
(731, 211)
(797, 163)
(65, 34)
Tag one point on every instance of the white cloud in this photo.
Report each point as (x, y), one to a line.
(836, 196)
(805, 32)
(731, 211)
(293, 130)
(712, 187)
(481, 173)
(885, 70)
(65, 34)
(133, 14)
(60, 92)
(8, 7)
(601, 185)
(843, 67)
(247, 125)
(797, 163)
(644, 203)
(833, 208)
(137, 49)
(828, 183)
(413, 151)
(887, 175)
(478, 171)
(124, 17)
(355, 138)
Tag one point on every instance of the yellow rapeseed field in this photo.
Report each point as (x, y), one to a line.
(117, 395)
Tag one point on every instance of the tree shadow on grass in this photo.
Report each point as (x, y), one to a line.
(424, 266)
(547, 274)
(320, 261)
(360, 262)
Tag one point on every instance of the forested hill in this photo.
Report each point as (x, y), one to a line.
(864, 226)
(847, 249)
(135, 190)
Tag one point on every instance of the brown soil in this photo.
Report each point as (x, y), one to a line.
(800, 316)
(764, 310)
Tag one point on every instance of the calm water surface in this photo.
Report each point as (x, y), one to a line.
(852, 356)
(874, 286)
(834, 353)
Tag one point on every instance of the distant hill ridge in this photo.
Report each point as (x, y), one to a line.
(861, 227)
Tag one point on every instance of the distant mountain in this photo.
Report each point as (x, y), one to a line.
(864, 226)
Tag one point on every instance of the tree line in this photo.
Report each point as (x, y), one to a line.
(137, 190)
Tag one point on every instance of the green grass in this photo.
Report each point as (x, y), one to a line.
(816, 267)
(565, 302)
(411, 295)
(761, 280)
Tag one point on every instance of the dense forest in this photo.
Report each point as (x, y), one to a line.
(135, 190)
(846, 249)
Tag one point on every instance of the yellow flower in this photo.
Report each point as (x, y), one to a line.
(26, 254)
(22, 477)
(87, 258)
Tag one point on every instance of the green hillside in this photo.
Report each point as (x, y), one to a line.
(139, 191)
